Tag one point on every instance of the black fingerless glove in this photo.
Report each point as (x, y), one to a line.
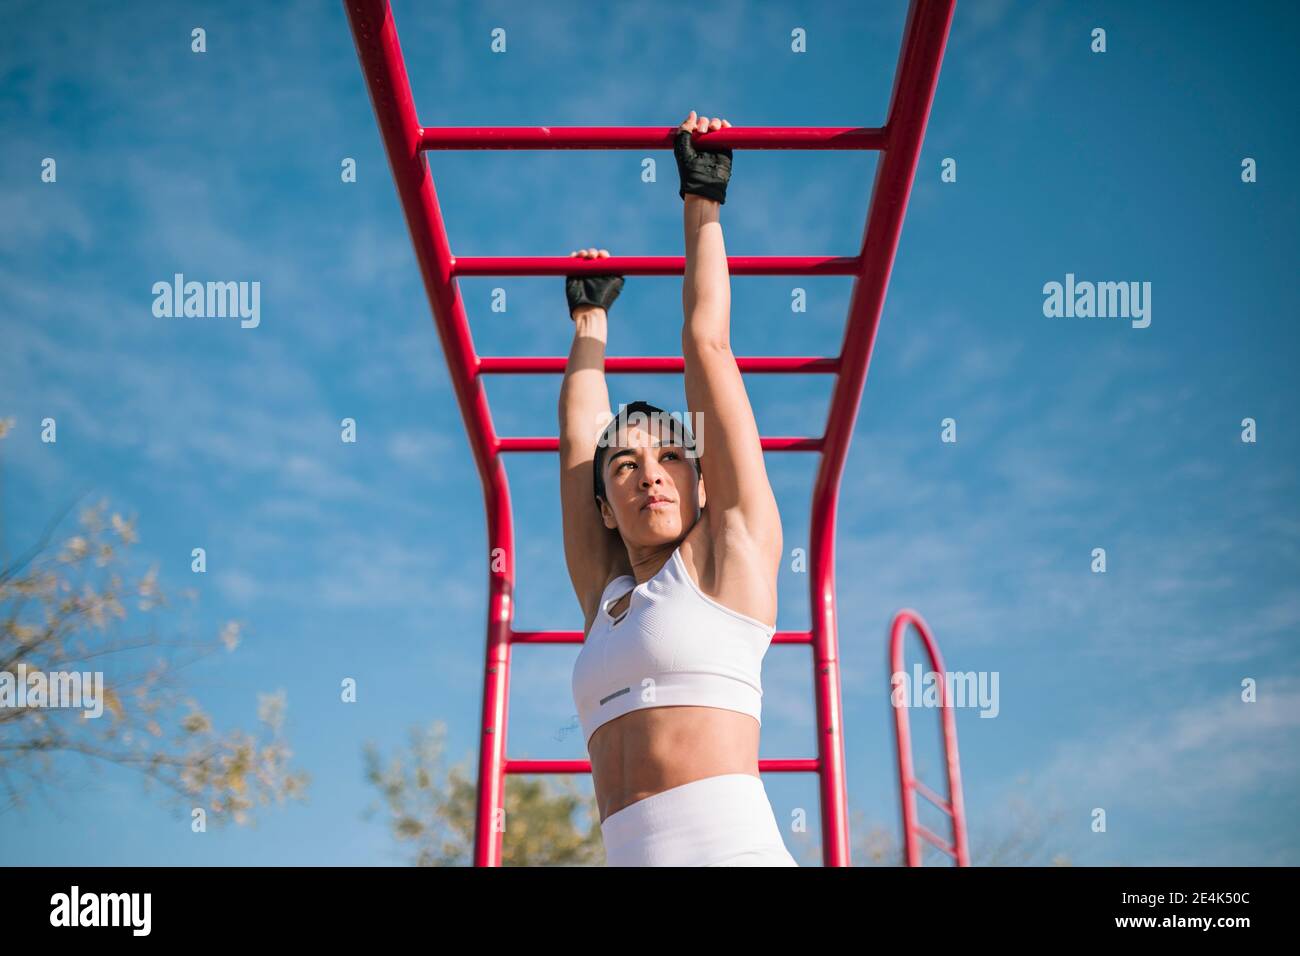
(703, 172)
(596, 290)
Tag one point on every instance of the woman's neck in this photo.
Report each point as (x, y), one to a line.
(651, 561)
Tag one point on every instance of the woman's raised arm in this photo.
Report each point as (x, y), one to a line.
(592, 552)
(740, 497)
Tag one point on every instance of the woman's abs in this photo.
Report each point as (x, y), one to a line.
(651, 750)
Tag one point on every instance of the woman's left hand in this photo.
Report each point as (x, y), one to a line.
(704, 172)
(702, 124)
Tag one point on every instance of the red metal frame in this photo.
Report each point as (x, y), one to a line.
(899, 140)
(909, 786)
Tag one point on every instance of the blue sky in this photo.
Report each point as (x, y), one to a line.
(1117, 690)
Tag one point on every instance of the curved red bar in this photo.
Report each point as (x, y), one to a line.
(909, 786)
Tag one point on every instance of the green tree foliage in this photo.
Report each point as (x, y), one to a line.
(430, 809)
(76, 606)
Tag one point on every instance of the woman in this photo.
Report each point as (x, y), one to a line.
(678, 587)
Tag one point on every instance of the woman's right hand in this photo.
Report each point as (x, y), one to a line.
(588, 291)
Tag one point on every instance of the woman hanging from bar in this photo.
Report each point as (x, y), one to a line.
(677, 585)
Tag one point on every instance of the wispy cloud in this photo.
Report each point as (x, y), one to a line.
(1210, 760)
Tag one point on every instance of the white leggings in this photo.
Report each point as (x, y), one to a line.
(716, 821)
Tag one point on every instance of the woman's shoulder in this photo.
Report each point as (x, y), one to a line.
(729, 567)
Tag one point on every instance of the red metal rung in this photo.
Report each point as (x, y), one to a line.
(647, 137)
(930, 837)
(769, 443)
(531, 365)
(576, 637)
(780, 765)
(933, 797)
(477, 266)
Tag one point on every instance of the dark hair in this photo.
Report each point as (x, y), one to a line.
(677, 427)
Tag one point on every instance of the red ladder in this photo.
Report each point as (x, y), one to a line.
(899, 141)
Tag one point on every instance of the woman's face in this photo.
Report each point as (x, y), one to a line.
(652, 492)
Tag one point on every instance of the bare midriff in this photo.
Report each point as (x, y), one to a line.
(648, 751)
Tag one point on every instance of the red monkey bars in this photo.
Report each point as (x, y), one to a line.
(924, 37)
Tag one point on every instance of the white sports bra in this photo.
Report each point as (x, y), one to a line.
(673, 646)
